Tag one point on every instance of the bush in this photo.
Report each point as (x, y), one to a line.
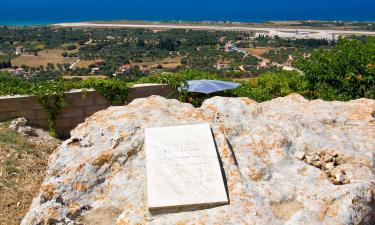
(70, 47)
(114, 90)
(10, 85)
(271, 85)
(345, 72)
(263, 88)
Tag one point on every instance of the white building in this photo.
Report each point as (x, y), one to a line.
(17, 72)
(95, 70)
(19, 50)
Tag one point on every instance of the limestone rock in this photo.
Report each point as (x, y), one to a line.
(340, 177)
(328, 158)
(299, 155)
(98, 175)
(329, 166)
(27, 131)
(16, 123)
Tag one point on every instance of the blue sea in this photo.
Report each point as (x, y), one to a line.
(33, 12)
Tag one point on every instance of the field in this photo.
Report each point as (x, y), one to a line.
(257, 51)
(42, 59)
(167, 63)
(84, 63)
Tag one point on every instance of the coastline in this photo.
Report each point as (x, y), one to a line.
(146, 21)
(281, 30)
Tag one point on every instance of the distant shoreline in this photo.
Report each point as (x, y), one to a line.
(224, 22)
(282, 30)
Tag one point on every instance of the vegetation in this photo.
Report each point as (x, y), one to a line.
(280, 56)
(273, 84)
(265, 87)
(341, 24)
(50, 93)
(329, 70)
(23, 162)
(345, 72)
(195, 49)
(5, 64)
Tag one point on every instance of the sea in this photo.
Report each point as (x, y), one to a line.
(38, 12)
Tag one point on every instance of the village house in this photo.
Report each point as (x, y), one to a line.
(289, 61)
(228, 47)
(145, 69)
(125, 67)
(95, 70)
(17, 72)
(222, 65)
(264, 64)
(99, 62)
(19, 50)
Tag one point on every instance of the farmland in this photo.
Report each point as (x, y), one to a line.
(42, 58)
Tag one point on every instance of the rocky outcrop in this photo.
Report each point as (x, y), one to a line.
(36, 136)
(286, 161)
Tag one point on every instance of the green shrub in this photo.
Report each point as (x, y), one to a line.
(271, 85)
(50, 94)
(262, 88)
(10, 85)
(345, 72)
(114, 90)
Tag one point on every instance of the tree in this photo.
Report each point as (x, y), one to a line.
(184, 61)
(70, 47)
(64, 54)
(168, 44)
(50, 66)
(5, 64)
(344, 72)
(141, 43)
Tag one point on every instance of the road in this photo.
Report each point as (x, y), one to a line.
(246, 54)
(73, 64)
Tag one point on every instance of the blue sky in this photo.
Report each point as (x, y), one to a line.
(240, 10)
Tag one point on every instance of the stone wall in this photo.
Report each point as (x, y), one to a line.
(80, 105)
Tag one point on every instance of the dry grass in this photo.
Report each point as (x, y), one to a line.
(257, 51)
(167, 63)
(22, 167)
(171, 63)
(84, 63)
(42, 59)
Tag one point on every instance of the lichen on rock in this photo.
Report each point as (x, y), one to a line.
(98, 175)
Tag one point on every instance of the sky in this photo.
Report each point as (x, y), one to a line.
(235, 10)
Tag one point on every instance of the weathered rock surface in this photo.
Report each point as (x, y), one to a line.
(98, 175)
(37, 136)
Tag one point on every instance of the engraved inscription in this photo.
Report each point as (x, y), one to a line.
(182, 167)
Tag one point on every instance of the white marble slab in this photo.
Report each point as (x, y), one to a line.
(182, 167)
